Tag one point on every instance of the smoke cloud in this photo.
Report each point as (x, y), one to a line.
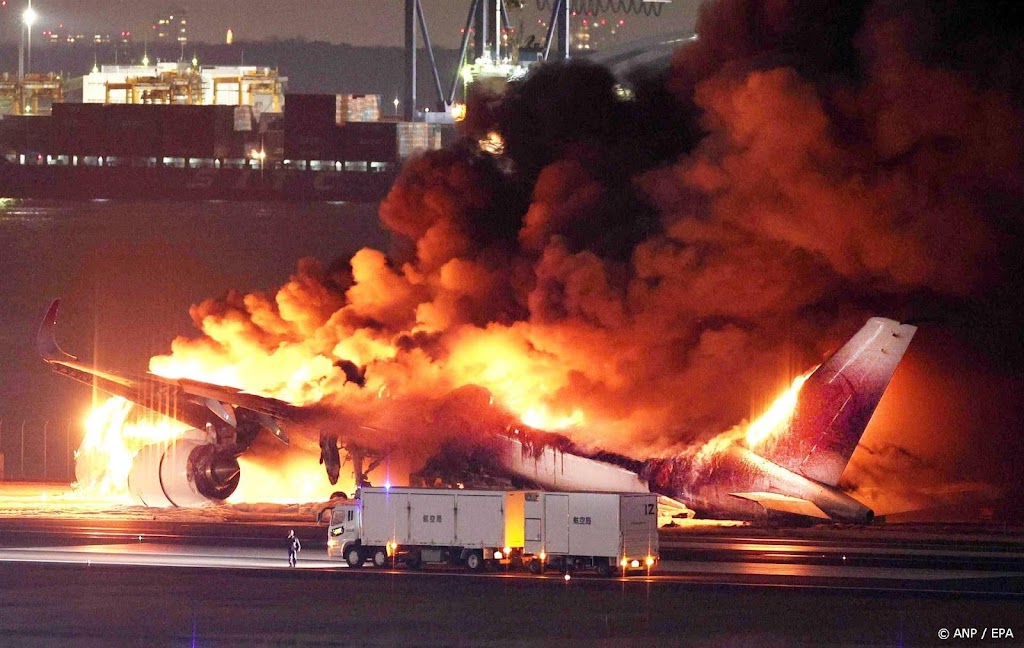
(643, 271)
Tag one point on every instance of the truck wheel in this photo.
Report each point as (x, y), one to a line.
(380, 558)
(475, 561)
(604, 570)
(354, 557)
(536, 566)
(414, 560)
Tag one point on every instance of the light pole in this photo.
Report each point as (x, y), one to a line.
(28, 18)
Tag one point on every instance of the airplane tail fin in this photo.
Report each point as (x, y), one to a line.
(837, 401)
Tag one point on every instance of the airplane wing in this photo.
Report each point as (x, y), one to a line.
(784, 504)
(189, 401)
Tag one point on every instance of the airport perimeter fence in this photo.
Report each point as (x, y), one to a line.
(38, 450)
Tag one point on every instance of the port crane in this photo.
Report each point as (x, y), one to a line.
(492, 52)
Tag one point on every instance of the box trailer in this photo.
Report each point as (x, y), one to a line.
(607, 532)
(413, 526)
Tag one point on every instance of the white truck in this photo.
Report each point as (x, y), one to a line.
(393, 525)
(607, 532)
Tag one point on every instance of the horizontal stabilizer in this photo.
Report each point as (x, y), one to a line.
(670, 508)
(784, 504)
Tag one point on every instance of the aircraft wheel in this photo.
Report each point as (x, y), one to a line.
(354, 557)
(380, 558)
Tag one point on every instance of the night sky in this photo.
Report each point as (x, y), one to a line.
(356, 22)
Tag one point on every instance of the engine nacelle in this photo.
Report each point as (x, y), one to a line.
(191, 471)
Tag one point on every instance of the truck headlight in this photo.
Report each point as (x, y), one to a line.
(498, 555)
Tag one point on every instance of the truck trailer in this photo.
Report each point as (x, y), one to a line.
(391, 525)
(607, 532)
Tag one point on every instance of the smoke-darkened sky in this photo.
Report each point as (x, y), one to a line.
(356, 22)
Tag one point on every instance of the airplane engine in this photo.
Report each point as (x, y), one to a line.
(189, 472)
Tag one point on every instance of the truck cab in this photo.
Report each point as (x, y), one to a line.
(344, 529)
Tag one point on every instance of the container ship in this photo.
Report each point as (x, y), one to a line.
(183, 132)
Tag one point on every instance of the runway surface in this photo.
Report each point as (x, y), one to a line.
(85, 582)
(76, 573)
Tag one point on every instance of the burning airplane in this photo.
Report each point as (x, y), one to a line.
(592, 305)
(790, 465)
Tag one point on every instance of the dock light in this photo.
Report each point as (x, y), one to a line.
(28, 18)
(634, 564)
(498, 555)
(543, 555)
(649, 562)
(623, 562)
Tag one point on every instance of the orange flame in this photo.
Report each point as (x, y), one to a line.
(104, 459)
(111, 441)
(773, 421)
(294, 482)
(776, 418)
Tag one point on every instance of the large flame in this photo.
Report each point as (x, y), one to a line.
(110, 443)
(113, 438)
(773, 421)
(778, 415)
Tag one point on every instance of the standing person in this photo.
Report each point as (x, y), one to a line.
(294, 547)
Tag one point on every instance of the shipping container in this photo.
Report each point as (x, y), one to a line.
(310, 114)
(357, 108)
(366, 142)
